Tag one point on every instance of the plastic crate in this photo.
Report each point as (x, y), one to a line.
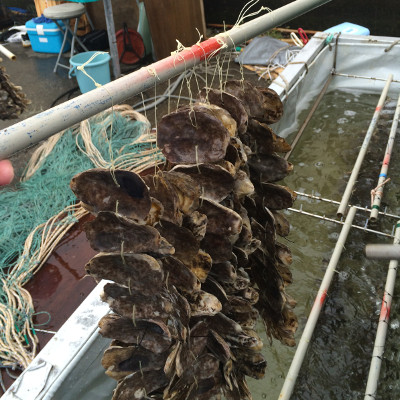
(46, 37)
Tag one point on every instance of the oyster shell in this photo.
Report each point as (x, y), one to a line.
(120, 362)
(230, 103)
(192, 135)
(120, 191)
(161, 189)
(136, 305)
(197, 223)
(177, 274)
(187, 189)
(221, 220)
(277, 197)
(111, 232)
(269, 168)
(185, 244)
(282, 225)
(139, 272)
(260, 103)
(216, 183)
(204, 303)
(150, 334)
(140, 385)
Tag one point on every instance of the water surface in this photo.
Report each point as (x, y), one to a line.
(338, 359)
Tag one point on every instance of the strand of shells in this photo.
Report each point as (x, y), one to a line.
(193, 253)
(12, 100)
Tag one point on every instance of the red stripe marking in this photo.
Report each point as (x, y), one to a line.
(323, 297)
(199, 51)
(386, 160)
(385, 309)
(379, 108)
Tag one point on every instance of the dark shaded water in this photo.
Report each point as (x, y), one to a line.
(338, 359)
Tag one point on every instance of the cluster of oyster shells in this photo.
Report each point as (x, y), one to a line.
(12, 100)
(192, 251)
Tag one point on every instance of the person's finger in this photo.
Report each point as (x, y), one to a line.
(6, 172)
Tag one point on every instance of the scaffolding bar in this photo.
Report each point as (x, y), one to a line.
(365, 209)
(63, 116)
(378, 192)
(372, 78)
(356, 169)
(305, 339)
(325, 218)
(379, 347)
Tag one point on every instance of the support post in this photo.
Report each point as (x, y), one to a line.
(112, 40)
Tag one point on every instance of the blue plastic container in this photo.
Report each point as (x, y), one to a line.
(98, 69)
(46, 37)
(349, 29)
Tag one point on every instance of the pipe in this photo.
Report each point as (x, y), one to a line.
(379, 346)
(378, 192)
(7, 53)
(47, 123)
(305, 339)
(383, 251)
(356, 169)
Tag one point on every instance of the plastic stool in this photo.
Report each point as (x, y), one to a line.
(65, 12)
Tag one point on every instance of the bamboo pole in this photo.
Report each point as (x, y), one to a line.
(356, 169)
(379, 347)
(378, 192)
(43, 125)
(305, 339)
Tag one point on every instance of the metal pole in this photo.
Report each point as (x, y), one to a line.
(383, 251)
(305, 339)
(379, 347)
(309, 116)
(325, 218)
(385, 165)
(45, 124)
(112, 40)
(364, 209)
(356, 169)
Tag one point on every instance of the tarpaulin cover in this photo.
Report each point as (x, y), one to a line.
(264, 50)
